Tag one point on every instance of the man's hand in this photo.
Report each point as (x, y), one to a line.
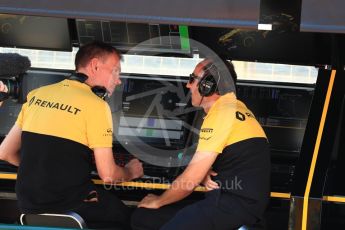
(150, 201)
(3, 88)
(135, 169)
(208, 182)
(109, 172)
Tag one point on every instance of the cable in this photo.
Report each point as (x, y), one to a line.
(202, 98)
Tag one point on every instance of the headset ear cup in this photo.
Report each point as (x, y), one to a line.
(201, 88)
(207, 86)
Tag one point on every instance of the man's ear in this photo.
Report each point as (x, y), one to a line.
(93, 64)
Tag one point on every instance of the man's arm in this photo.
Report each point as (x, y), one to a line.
(9, 148)
(109, 172)
(185, 183)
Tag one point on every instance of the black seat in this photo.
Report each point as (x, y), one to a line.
(260, 225)
(64, 220)
(245, 227)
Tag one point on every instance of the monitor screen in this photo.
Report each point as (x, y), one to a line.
(35, 32)
(137, 38)
(282, 110)
(153, 110)
(284, 47)
(153, 119)
(150, 128)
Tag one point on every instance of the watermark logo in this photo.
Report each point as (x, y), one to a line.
(234, 184)
(156, 123)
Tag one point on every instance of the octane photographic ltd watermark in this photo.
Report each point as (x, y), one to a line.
(234, 184)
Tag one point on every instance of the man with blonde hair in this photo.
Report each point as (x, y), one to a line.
(58, 131)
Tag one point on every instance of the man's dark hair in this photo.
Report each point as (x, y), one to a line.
(224, 74)
(95, 49)
(231, 68)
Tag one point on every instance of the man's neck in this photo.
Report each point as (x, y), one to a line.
(209, 101)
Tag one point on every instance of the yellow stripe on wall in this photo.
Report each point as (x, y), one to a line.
(316, 151)
(334, 199)
(281, 195)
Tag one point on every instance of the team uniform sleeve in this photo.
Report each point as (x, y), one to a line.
(215, 130)
(100, 126)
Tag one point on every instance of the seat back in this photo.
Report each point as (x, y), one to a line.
(260, 225)
(244, 227)
(64, 220)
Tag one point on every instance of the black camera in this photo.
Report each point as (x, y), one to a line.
(13, 86)
(12, 68)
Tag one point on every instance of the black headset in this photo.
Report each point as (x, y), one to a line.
(208, 84)
(100, 91)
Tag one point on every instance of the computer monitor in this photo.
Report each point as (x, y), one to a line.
(283, 47)
(35, 32)
(137, 38)
(153, 118)
(282, 109)
(152, 110)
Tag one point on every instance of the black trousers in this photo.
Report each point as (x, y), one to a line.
(108, 213)
(207, 214)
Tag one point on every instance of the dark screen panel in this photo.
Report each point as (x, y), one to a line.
(234, 13)
(282, 110)
(266, 46)
(154, 110)
(35, 32)
(153, 121)
(136, 38)
(283, 15)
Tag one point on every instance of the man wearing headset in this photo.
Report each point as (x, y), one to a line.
(232, 160)
(57, 131)
(3, 88)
